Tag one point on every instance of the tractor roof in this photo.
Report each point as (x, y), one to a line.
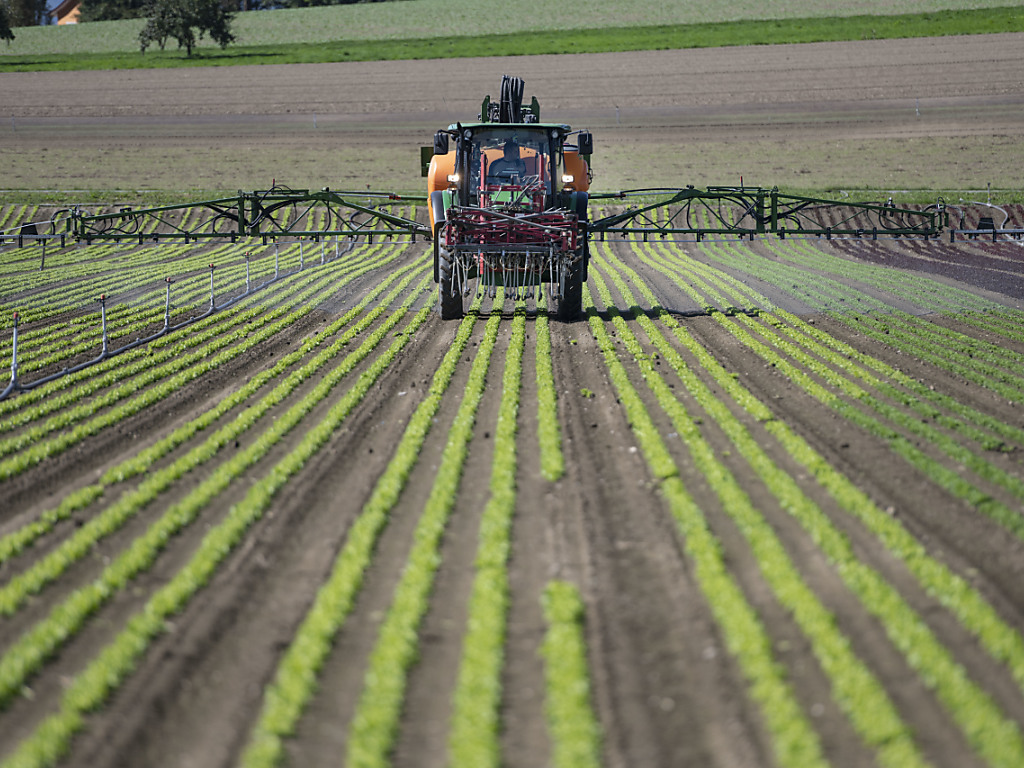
(516, 126)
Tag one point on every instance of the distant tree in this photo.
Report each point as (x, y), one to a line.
(182, 20)
(5, 23)
(25, 13)
(308, 3)
(111, 10)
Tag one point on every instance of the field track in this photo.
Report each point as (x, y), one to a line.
(762, 506)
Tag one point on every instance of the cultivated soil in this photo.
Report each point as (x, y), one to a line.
(668, 685)
(941, 113)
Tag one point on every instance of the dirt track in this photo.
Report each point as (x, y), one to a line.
(885, 400)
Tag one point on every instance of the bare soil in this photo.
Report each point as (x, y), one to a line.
(666, 689)
(934, 113)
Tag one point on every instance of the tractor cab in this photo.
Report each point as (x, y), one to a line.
(510, 168)
(517, 168)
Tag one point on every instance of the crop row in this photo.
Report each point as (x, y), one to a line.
(110, 270)
(140, 321)
(190, 294)
(153, 383)
(985, 363)
(575, 733)
(473, 739)
(891, 422)
(794, 741)
(475, 726)
(857, 691)
(295, 679)
(91, 380)
(51, 566)
(552, 462)
(968, 704)
(375, 724)
(108, 669)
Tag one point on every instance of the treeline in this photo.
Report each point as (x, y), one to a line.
(110, 10)
(20, 13)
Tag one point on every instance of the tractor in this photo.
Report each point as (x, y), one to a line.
(507, 204)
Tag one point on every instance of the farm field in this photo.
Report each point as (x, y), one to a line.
(762, 506)
(446, 20)
(784, 477)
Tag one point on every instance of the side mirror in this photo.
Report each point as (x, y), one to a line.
(440, 143)
(586, 143)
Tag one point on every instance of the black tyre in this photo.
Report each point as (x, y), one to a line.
(449, 294)
(570, 305)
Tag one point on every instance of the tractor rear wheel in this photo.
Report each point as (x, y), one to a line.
(570, 304)
(449, 294)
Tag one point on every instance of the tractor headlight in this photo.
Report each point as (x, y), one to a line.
(453, 178)
(568, 178)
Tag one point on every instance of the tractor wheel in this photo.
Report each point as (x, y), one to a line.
(449, 295)
(570, 305)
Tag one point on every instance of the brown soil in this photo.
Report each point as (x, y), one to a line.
(665, 686)
(942, 113)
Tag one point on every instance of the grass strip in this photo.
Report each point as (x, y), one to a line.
(473, 739)
(544, 42)
(294, 682)
(575, 733)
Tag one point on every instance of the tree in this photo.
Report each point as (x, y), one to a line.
(181, 19)
(5, 23)
(110, 10)
(22, 13)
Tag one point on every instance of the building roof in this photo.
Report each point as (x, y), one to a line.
(67, 12)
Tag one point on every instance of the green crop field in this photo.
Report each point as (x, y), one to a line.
(416, 29)
(319, 521)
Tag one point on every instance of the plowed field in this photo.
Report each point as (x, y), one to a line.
(784, 477)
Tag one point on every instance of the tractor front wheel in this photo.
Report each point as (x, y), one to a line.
(449, 298)
(570, 305)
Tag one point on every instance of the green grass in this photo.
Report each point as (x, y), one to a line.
(119, 51)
